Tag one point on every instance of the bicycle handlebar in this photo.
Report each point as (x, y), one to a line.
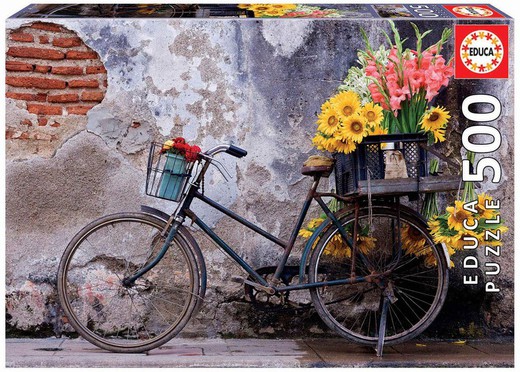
(229, 149)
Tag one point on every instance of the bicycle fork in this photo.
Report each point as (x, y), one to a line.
(175, 224)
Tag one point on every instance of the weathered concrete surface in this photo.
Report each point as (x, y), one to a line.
(255, 83)
(280, 353)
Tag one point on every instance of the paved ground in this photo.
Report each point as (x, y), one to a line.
(54, 352)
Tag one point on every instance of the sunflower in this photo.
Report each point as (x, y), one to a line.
(346, 103)
(373, 113)
(457, 216)
(354, 128)
(366, 244)
(259, 9)
(376, 130)
(435, 118)
(305, 233)
(482, 211)
(439, 134)
(413, 240)
(328, 120)
(465, 238)
(330, 144)
(319, 142)
(337, 248)
(345, 147)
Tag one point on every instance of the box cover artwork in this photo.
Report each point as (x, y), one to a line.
(353, 164)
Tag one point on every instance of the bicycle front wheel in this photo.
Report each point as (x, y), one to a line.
(415, 280)
(127, 318)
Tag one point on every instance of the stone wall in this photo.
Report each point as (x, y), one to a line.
(254, 83)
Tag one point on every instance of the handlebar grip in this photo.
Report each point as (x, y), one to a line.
(236, 151)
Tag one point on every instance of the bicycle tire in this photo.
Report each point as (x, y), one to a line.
(128, 319)
(419, 294)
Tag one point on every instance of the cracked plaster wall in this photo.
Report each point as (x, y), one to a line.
(255, 83)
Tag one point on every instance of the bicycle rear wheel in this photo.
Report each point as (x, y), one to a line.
(416, 282)
(136, 317)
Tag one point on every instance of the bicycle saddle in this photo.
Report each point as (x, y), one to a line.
(317, 165)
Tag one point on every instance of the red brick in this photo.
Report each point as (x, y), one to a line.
(47, 26)
(78, 110)
(38, 109)
(27, 122)
(39, 53)
(83, 84)
(23, 37)
(42, 69)
(55, 124)
(96, 70)
(18, 66)
(67, 42)
(44, 39)
(92, 96)
(63, 98)
(74, 54)
(34, 82)
(41, 97)
(42, 122)
(67, 70)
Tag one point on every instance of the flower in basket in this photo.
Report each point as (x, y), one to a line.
(180, 147)
(290, 11)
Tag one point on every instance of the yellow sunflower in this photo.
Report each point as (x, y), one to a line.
(345, 147)
(435, 118)
(482, 211)
(353, 128)
(328, 120)
(336, 248)
(458, 215)
(305, 233)
(413, 240)
(376, 130)
(373, 113)
(346, 103)
(366, 244)
(458, 242)
(439, 134)
(330, 144)
(319, 142)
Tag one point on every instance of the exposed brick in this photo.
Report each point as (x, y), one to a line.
(40, 97)
(74, 54)
(38, 109)
(92, 96)
(78, 110)
(42, 122)
(18, 66)
(42, 69)
(135, 124)
(23, 37)
(83, 84)
(67, 70)
(55, 125)
(96, 70)
(27, 122)
(66, 42)
(63, 98)
(40, 53)
(34, 82)
(47, 26)
(44, 39)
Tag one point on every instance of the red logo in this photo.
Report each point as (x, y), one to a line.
(473, 11)
(481, 51)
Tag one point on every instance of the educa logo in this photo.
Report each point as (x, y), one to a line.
(482, 51)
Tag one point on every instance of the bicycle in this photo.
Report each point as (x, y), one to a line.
(130, 282)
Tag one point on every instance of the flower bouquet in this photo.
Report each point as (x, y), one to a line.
(178, 155)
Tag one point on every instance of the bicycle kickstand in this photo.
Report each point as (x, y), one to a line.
(382, 327)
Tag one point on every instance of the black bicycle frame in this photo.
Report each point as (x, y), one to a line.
(185, 211)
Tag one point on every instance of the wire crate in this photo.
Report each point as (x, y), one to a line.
(167, 173)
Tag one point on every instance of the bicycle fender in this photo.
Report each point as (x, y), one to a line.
(309, 245)
(155, 212)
